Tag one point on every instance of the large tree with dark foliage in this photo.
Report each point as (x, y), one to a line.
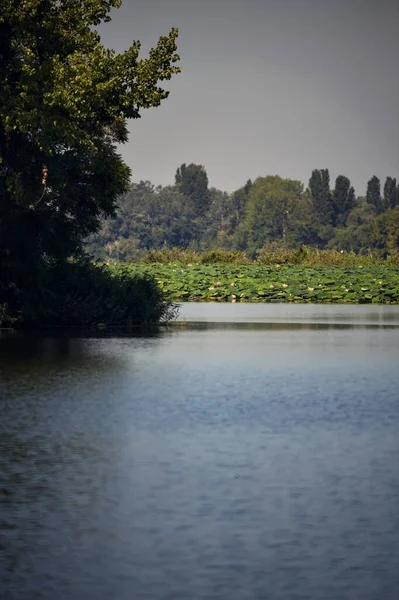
(64, 103)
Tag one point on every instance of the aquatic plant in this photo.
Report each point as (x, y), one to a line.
(271, 283)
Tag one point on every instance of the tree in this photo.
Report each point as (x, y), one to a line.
(319, 187)
(239, 200)
(392, 242)
(373, 195)
(147, 217)
(270, 211)
(343, 199)
(172, 222)
(192, 181)
(218, 225)
(391, 193)
(64, 104)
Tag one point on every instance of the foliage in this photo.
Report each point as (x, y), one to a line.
(216, 227)
(270, 255)
(319, 187)
(373, 195)
(272, 213)
(391, 194)
(187, 256)
(275, 210)
(64, 102)
(239, 200)
(273, 283)
(192, 182)
(343, 199)
(84, 294)
(147, 217)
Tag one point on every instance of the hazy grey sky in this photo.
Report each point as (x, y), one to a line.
(269, 87)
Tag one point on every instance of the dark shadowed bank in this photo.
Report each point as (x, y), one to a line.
(77, 294)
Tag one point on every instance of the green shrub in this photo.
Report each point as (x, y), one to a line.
(171, 255)
(219, 255)
(84, 294)
(189, 256)
(270, 254)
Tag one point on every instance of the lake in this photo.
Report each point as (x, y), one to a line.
(248, 451)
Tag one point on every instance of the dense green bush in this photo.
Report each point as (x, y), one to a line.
(187, 255)
(312, 256)
(270, 254)
(83, 294)
(224, 256)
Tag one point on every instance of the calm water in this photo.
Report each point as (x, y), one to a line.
(253, 455)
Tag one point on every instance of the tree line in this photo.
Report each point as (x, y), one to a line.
(268, 212)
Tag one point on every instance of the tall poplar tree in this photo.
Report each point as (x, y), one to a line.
(319, 187)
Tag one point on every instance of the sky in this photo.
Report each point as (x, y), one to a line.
(268, 87)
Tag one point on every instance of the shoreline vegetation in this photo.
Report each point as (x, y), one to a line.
(82, 294)
(302, 276)
(144, 293)
(267, 256)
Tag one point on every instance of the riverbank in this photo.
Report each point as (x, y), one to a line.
(377, 284)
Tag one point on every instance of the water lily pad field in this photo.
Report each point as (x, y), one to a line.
(377, 284)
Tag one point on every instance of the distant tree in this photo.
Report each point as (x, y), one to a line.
(172, 219)
(192, 181)
(373, 194)
(269, 210)
(132, 221)
(343, 199)
(361, 214)
(365, 230)
(147, 217)
(319, 187)
(217, 224)
(391, 193)
(392, 242)
(239, 199)
(302, 222)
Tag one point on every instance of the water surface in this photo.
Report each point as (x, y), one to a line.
(254, 458)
